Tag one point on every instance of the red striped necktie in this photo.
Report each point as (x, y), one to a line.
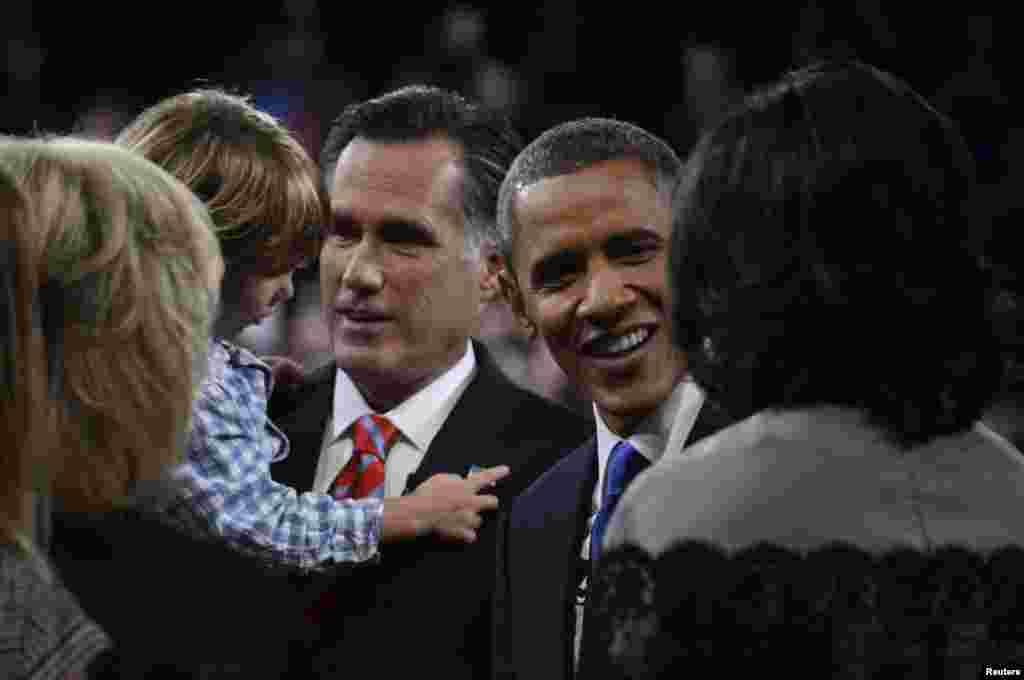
(363, 475)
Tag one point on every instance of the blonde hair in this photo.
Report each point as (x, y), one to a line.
(261, 187)
(119, 261)
(22, 367)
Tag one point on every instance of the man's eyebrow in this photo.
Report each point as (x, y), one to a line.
(631, 237)
(644, 233)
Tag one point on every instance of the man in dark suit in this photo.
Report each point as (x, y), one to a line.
(585, 214)
(405, 267)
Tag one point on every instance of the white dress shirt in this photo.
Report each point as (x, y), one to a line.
(418, 420)
(672, 422)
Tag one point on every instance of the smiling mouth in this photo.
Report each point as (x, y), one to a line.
(613, 346)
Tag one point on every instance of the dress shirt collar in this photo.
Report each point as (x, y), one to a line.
(676, 416)
(420, 417)
(223, 356)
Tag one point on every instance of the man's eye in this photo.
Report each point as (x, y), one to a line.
(556, 270)
(343, 230)
(555, 275)
(636, 252)
(405, 234)
(634, 248)
(554, 284)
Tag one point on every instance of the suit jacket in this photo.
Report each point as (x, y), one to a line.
(425, 607)
(538, 566)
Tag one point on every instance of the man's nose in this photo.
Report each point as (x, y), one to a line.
(607, 297)
(363, 270)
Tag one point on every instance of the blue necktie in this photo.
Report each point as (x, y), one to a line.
(624, 463)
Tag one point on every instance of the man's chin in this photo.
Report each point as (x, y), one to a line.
(623, 409)
(372, 358)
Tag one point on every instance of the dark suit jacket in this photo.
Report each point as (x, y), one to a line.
(425, 607)
(538, 564)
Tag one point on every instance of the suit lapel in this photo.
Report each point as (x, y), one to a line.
(710, 419)
(549, 521)
(467, 435)
(302, 415)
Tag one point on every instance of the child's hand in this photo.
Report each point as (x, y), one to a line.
(446, 505)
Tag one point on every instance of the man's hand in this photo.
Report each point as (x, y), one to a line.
(445, 504)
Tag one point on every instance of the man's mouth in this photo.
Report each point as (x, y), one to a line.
(608, 345)
(362, 315)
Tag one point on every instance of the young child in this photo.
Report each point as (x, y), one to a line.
(263, 193)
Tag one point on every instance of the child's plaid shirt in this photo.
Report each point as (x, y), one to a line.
(228, 489)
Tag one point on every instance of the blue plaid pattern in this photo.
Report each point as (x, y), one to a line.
(228, 491)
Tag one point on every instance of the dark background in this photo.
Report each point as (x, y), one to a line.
(89, 67)
(670, 67)
(665, 69)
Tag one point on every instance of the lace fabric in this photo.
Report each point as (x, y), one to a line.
(837, 611)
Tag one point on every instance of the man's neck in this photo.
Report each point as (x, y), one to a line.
(625, 425)
(622, 425)
(384, 397)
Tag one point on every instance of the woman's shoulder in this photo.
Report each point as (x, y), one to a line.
(838, 605)
(715, 567)
(838, 575)
(732, 473)
(806, 477)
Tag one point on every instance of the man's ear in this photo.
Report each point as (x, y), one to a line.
(514, 297)
(493, 266)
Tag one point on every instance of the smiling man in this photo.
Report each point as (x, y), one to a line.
(586, 215)
(406, 266)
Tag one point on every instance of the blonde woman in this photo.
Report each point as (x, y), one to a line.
(109, 277)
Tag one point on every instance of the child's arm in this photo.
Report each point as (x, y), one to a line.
(230, 493)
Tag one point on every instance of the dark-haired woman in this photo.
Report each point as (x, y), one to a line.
(858, 520)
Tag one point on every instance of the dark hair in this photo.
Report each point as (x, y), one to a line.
(574, 146)
(821, 255)
(486, 139)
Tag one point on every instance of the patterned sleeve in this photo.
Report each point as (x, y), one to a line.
(229, 491)
(43, 632)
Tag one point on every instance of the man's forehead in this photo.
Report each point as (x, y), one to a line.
(423, 173)
(602, 186)
(412, 159)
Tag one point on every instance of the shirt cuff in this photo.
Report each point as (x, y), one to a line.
(362, 544)
(376, 517)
